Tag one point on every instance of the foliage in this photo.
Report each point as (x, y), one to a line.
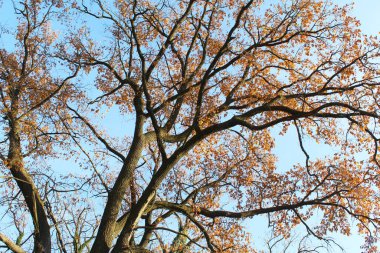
(200, 88)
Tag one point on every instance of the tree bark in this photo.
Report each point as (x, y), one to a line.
(106, 233)
(11, 245)
(42, 239)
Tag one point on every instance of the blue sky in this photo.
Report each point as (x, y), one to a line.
(368, 12)
(289, 153)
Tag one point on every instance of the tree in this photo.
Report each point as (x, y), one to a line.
(205, 84)
(29, 90)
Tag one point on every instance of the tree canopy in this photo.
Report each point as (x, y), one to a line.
(198, 91)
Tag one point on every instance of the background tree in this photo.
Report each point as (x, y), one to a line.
(29, 91)
(205, 86)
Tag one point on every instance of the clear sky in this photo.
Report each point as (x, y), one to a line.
(289, 153)
(368, 12)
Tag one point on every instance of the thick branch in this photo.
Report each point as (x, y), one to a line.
(10, 244)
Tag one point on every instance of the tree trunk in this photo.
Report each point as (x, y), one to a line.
(42, 238)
